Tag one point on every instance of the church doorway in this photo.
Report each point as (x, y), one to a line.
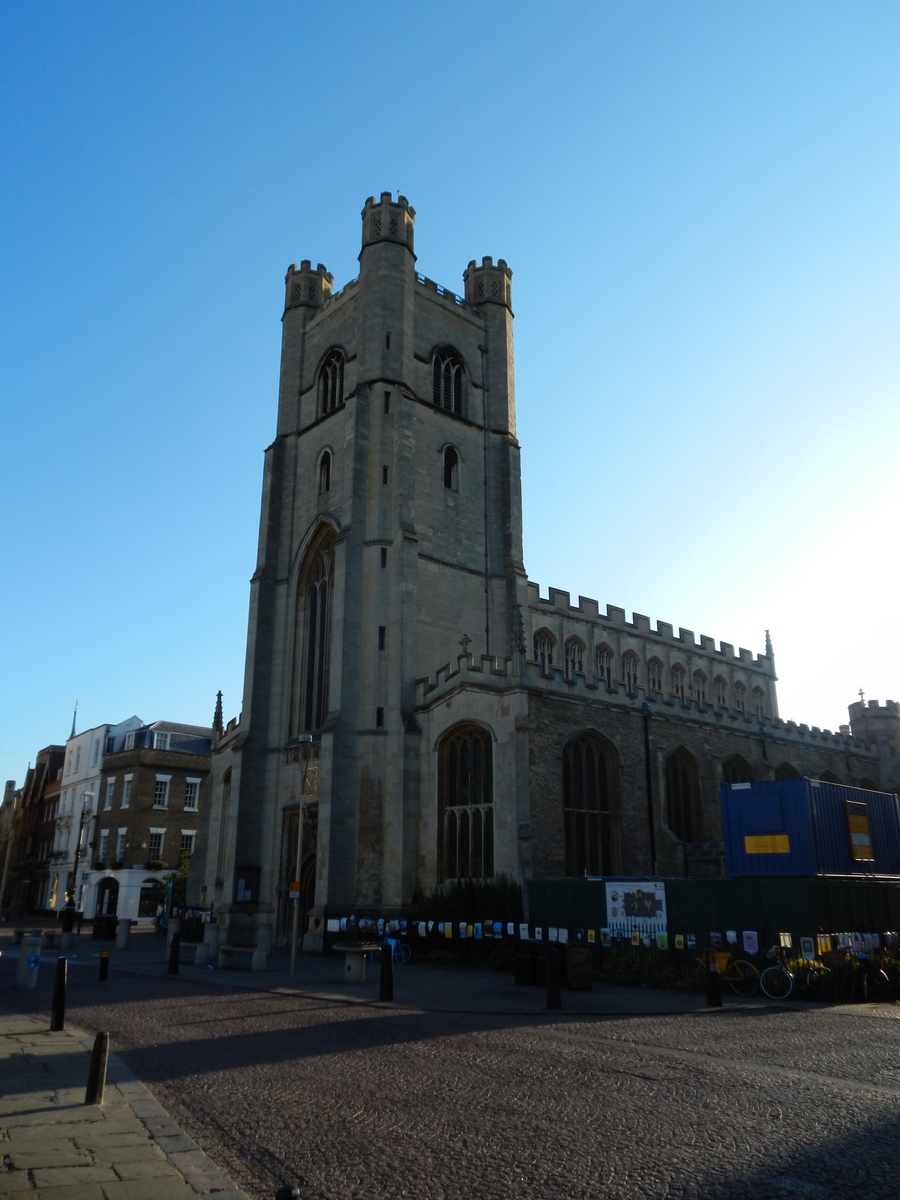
(289, 831)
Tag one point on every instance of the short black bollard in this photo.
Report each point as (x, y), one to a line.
(713, 983)
(287, 1191)
(174, 953)
(554, 993)
(97, 1073)
(104, 966)
(68, 918)
(58, 1011)
(386, 989)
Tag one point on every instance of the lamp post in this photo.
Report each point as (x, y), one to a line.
(306, 739)
(87, 803)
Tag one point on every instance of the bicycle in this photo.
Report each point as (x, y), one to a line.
(740, 975)
(402, 951)
(876, 986)
(776, 981)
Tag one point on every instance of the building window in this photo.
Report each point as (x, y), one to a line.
(161, 791)
(448, 381)
(682, 795)
(104, 843)
(786, 771)
(740, 697)
(544, 644)
(451, 469)
(678, 678)
(187, 843)
(630, 668)
(110, 745)
(325, 473)
(161, 740)
(759, 702)
(379, 718)
(383, 557)
(129, 740)
(331, 382)
(96, 756)
(387, 402)
(384, 475)
(466, 804)
(382, 633)
(700, 688)
(312, 636)
(120, 845)
(721, 688)
(603, 660)
(574, 657)
(387, 336)
(586, 807)
(126, 791)
(737, 770)
(77, 759)
(108, 798)
(655, 675)
(156, 844)
(192, 795)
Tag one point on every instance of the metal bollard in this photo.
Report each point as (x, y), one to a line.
(174, 953)
(713, 983)
(97, 1073)
(386, 988)
(104, 967)
(58, 1011)
(554, 993)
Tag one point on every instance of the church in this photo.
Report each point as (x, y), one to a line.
(410, 696)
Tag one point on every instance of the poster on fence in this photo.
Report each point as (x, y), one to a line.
(638, 906)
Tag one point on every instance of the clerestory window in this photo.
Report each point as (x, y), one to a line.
(448, 381)
(630, 667)
(574, 657)
(544, 643)
(331, 382)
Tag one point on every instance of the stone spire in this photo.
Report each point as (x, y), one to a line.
(218, 725)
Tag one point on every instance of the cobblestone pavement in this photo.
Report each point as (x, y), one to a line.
(354, 1101)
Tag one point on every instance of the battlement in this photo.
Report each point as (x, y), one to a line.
(388, 220)
(487, 669)
(440, 290)
(307, 288)
(873, 708)
(559, 603)
(488, 284)
(876, 723)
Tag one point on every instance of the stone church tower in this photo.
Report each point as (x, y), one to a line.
(390, 537)
(408, 690)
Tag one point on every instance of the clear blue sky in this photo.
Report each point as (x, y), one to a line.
(700, 206)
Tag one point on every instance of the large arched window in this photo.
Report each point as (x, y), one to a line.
(720, 685)
(654, 675)
(737, 770)
(603, 661)
(678, 677)
(828, 777)
(631, 666)
(682, 796)
(574, 657)
(466, 804)
(544, 645)
(587, 807)
(759, 702)
(448, 380)
(313, 636)
(700, 688)
(740, 697)
(786, 771)
(331, 382)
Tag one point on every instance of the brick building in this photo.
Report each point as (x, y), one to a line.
(150, 796)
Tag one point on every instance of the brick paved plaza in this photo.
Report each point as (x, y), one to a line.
(357, 1100)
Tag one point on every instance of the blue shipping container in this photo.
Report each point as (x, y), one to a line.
(802, 827)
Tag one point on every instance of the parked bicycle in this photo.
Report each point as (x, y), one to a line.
(777, 980)
(741, 976)
(401, 951)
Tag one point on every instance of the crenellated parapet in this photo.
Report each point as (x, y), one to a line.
(490, 283)
(388, 220)
(307, 288)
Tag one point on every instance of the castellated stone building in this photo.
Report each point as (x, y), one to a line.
(437, 718)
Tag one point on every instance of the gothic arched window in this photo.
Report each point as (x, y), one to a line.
(331, 382)
(721, 691)
(603, 660)
(544, 645)
(654, 675)
(312, 636)
(451, 469)
(737, 770)
(678, 677)
(325, 473)
(466, 804)
(828, 777)
(587, 806)
(740, 697)
(759, 702)
(700, 688)
(682, 796)
(448, 381)
(630, 667)
(574, 657)
(786, 771)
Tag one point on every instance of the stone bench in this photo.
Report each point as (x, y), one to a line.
(241, 958)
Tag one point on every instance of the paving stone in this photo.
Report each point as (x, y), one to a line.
(149, 1189)
(174, 1143)
(14, 1181)
(99, 1137)
(57, 1176)
(80, 1191)
(114, 1155)
(24, 1158)
(155, 1169)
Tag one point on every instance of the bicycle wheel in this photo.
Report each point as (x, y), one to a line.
(374, 956)
(842, 985)
(777, 983)
(876, 985)
(818, 983)
(742, 977)
(402, 953)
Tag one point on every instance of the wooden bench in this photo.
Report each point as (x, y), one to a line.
(244, 958)
(355, 955)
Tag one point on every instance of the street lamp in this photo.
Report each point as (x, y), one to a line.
(305, 739)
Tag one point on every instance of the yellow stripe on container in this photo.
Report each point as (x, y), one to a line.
(767, 843)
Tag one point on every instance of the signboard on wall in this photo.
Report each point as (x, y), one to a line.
(860, 837)
(639, 905)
